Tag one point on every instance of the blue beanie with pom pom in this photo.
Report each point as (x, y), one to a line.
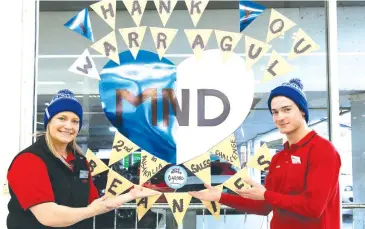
(294, 91)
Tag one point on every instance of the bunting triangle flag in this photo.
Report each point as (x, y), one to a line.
(107, 10)
(200, 167)
(164, 9)
(303, 44)
(122, 147)
(196, 9)
(179, 202)
(116, 184)
(107, 46)
(255, 50)
(236, 182)
(198, 40)
(145, 204)
(81, 24)
(278, 25)
(150, 166)
(249, 11)
(96, 165)
(133, 38)
(85, 66)
(136, 9)
(277, 66)
(227, 150)
(261, 159)
(213, 207)
(162, 37)
(227, 42)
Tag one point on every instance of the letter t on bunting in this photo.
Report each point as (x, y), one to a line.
(213, 207)
(261, 160)
(150, 166)
(227, 150)
(200, 167)
(122, 147)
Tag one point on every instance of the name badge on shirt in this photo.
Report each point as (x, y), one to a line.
(295, 160)
(84, 174)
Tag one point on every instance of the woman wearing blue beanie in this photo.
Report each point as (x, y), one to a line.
(301, 188)
(50, 182)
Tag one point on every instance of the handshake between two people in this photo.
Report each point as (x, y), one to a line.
(106, 203)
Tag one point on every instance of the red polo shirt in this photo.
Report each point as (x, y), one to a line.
(29, 180)
(302, 187)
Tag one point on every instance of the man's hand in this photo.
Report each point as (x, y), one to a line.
(257, 191)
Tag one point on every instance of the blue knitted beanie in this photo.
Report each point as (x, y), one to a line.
(294, 91)
(64, 100)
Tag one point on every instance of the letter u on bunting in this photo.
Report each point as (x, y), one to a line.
(122, 147)
(200, 167)
(179, 202)
(255, 50)
(106, 9)
(303, 44)
(136, 9)
(162, 37)
(227, 42)
(237, 180)
(278, 25)
(96, 165)
(213, 207)
(164, 9)
(227, 150)
(133, 38)
(107, 46)
(116, 184)
(277, 66)
(198, 40)
(150, 165)
(145, 204)
(261, 160)
(85, 66)
(196, 9)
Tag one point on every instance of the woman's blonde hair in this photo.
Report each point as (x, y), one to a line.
(72, 146)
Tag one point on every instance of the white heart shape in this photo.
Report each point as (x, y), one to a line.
(209, 72)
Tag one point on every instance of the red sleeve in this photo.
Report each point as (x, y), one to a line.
(258, 207)
(321, 183)
(28, 179)
(93, 194)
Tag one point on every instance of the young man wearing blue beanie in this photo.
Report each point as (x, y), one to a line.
(302, 185)
(50, 182)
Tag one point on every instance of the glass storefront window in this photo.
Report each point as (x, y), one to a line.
(59, 48)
